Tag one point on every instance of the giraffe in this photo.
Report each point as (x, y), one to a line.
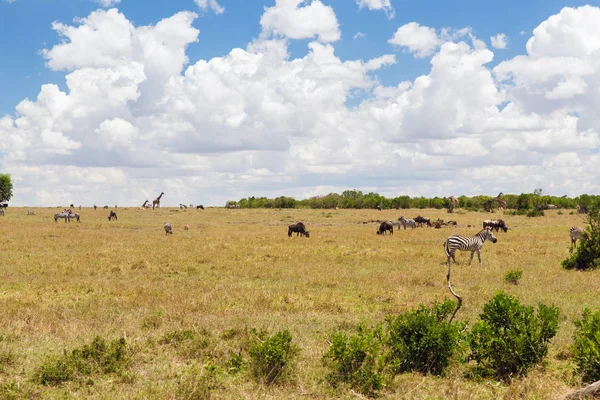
(452, 203)
(501, 203)
(145, 205)
(156, 202)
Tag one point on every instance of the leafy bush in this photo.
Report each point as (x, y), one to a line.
(98, 357)
(422, 340)
(511, 338)
(586, 350)
(272, 357)
(587, 254)
(357, 360)
(535, 213)
(513, 276)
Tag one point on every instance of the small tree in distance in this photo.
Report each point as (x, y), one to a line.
(6, 187)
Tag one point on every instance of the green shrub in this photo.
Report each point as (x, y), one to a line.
(535, 213)
(422, 340)
(98, 357)
(357, 360)
(272, 357)
(586, 350)
(559, 212)
(511, 338)
(513, 276)
(234, 364)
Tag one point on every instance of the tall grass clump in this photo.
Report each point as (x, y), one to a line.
(272, 357)
(586, 349)
(511, 338)
(513, 276)
(98, 357)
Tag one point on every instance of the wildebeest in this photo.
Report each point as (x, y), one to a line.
(168, 228)
(575, 233)
(378, 207)
(201, 207)
(495, 225)
(95, 206)
(112, 215)
(106, 207)
(299, 228)
(384, 227)
(421, 220)
(407, 222)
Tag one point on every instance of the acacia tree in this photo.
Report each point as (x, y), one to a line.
(6, 187)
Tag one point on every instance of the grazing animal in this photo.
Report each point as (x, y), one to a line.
(495, 225)
(378, 207)
(384, 227)
(182, 206)
(201, 207)
(95, 206)
(156, 202)
(575, 233)
(168, 228)
(29, 213)
(396, 223)
(421, 220)
(64, 215)
(407, 222)
(468, 243)
(453, 223)
(72, 215)
(2, 211)
(112, 215)
(106, 207)
(299, 228)
(186, 227)
(71, 206)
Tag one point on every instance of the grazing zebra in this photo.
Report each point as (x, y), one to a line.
(73, 216)
(168, 228)
(575, 233)
(407, 222)
(468, 243)
(63, 215)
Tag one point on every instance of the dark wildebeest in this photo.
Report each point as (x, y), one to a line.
(378, 207)
(299, 228)
(495, 225)
(201, 207)
(384, 227)
(421, 220)
(112, 215)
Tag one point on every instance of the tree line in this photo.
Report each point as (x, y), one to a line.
(358, 200)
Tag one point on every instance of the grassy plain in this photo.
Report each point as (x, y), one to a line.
(63, 284)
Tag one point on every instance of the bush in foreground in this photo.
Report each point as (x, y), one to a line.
(586, 350)
(99, 357)
(272, 357)
(510, 338)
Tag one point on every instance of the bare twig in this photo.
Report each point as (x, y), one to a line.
(590, 390)
(453, 293)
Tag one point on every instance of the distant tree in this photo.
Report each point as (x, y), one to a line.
(6, 187)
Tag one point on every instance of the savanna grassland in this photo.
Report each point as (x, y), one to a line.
(186, 303)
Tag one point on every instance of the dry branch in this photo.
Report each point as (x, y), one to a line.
(592, 390)
(453, 293)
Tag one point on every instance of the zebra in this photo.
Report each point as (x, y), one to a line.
(576, 233)
(468, 243)
(73, 216)
(63, 215)
(407, 222)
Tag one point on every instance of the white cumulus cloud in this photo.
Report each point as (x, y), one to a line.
(499, 41)
(378, 5)
(213, 5)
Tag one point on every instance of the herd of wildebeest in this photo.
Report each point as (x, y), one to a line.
(453, 243)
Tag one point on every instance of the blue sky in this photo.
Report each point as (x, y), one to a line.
(421, 104)
(25, 29)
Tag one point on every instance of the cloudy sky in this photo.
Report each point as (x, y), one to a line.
(114, 101)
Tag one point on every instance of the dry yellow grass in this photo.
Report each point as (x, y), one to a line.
(62, 284)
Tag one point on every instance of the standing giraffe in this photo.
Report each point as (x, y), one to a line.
(156, 202)
(501, 203)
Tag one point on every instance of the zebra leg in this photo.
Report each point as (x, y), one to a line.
(479, 256)
(471, 259)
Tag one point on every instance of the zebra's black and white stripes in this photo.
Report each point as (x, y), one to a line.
(575, 233)
(468, 243)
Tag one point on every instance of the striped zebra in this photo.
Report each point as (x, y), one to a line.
(576, 233)
(407, 222)
(468, 243)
